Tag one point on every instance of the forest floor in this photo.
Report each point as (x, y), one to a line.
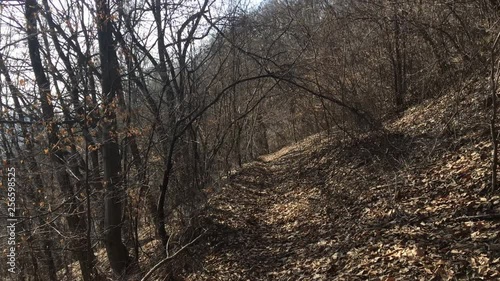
(410, 203)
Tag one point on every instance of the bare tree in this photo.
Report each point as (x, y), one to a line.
(76, 223)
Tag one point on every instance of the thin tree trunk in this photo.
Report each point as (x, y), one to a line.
(32, 167)
(494, 140)
(75, 223)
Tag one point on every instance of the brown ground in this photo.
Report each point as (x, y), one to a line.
(411, 203)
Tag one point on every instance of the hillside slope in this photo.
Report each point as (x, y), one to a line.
(411, 203)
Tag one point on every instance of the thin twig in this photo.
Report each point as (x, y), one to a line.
(162, 262)
(479, 217)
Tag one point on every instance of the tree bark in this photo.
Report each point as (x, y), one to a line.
(111, 90)
(494, 139)
(76, 224)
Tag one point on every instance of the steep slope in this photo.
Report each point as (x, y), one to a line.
(410, 203)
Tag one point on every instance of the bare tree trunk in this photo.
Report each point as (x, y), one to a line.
(261, 135)
(398, 63)
(33, 167)
(494, 140)
(111, 89)
(75, 223)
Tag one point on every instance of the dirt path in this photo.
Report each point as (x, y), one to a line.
(404, 205)
(267, 225)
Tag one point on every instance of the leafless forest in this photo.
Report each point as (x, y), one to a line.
(121, 121)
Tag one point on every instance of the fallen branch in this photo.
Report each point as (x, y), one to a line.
(162, 262)
(479, 217)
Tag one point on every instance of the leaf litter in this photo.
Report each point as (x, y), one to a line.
(409, 203)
